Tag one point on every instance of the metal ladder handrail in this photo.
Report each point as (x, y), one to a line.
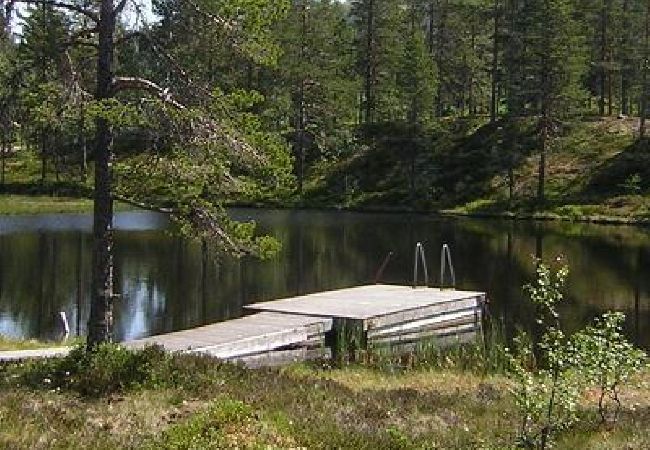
(419, 252)
(380, 271)
(445, 257)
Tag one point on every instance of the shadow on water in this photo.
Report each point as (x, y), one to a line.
(168, 283)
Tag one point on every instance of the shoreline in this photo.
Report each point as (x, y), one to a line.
(34, 205)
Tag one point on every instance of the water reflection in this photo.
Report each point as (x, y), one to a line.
(168, 283)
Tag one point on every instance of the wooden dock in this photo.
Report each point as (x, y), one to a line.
(316, 325)
(320, 325)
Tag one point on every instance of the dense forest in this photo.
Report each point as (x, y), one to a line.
(337, 91)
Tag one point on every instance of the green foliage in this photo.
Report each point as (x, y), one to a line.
(205, 430)
(546, 396)
(416, 76)
(632, 184)
(546, 399)
(108, 369)
(608, 360)
(549, 381)
(111, 368)
(546, 293)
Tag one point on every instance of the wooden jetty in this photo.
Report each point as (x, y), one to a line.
(317, 325)
(322, 324)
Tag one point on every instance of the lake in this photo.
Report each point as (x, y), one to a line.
(168, 283)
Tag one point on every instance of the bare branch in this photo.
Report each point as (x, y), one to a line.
(207, 223)
(147, 206)
(63, 5)
(141, 84)
(120, 7)
(204, 221)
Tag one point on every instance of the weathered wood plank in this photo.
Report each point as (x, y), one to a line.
(442, 320)
(441, 341)
(284, 357)
(255, 344)
(411, 315)
(243, 336)
(427, 334)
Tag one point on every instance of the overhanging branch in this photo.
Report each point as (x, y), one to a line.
(205, 222)
(147, 206)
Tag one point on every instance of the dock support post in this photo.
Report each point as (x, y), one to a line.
(347, 338)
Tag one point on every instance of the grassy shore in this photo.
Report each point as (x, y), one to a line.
(149, 400)
(27, 204)
(8, 344)
(13, 205)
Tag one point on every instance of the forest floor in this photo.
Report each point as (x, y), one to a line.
(194, 402)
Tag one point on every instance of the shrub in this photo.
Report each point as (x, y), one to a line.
(546, 392)
(112, 368)
(607, 360)
(107, 369)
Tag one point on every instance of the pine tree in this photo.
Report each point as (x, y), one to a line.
(416, 75)
(378, 43)
(315, 74)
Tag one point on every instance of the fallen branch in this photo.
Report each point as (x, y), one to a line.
(142, 84)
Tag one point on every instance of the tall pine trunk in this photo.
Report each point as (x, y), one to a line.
(603, 57)
(541, 182)
(370, 61)
(300, 134)
(625, 69)
(440, 107)
(101, 302)
(4, 148)
(644, 84)
(495, 64)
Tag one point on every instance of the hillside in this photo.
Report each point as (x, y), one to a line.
(595, 168)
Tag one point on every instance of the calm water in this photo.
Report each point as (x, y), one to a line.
(169, 284)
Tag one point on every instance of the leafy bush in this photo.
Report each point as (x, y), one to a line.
(547, 390)
(632, 184)
(107, 369)
(112, 368)
(546, 397)
(607, 360)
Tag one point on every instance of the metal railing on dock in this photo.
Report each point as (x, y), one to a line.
(420, 257)
(445, 258)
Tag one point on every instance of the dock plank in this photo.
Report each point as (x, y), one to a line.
(244, 336)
